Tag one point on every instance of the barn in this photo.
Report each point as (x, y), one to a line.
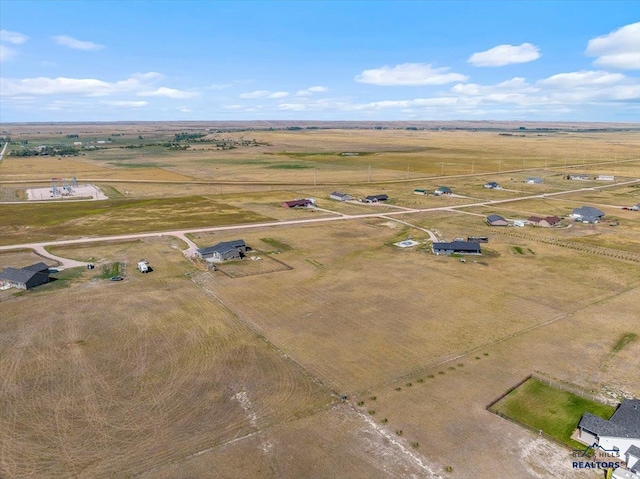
(25, 278)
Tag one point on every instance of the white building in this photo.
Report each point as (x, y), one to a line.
(620, 433)
(605, 178)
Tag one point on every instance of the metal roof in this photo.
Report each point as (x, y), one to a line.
(493, 218)
(458, 246)
(588, 211)
(23, 275)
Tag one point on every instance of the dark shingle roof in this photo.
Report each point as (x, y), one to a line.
(222, 247)
(377, 197)
(24, 274)
(588, 212)
(37, 267)
(625, 422)
(492, 218)
(471, 246)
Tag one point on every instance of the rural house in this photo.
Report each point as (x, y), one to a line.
(534, 180)
(25, 278)
(223, 251)
(546, 222)
(300, 203)
(621, 432)
(587, 214)
(581, 177)
(442, 190)
(336, 195)
(496, 220)
(375, 198)
(456, 247)
(492, 185)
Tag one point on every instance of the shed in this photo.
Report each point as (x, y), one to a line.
(419, 191)
(25, 278)
(457, 247)
(223, 251)
(336, 195)
(497, 220)
(605, 178)
(492, 185)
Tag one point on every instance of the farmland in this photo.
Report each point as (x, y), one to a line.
(336, 354)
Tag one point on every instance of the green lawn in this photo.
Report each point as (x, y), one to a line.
(553, 411)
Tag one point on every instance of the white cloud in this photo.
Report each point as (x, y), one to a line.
(505, 55)
(618, 49)
(169, 93)
(310, 91)
(15, 38)
(76, 86)
(581, 79)
(6, 53)
(185, 109)
(409, 74)
(279, 94)
(74, 43)
(219, 86)
(125, 103)
(256, 94)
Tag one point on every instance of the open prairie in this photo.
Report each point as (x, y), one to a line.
(337, 354)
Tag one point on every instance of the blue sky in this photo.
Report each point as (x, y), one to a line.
(304, 60)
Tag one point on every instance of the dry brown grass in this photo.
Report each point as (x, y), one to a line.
(147, 371)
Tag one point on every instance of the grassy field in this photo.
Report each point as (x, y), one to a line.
(346, 357)
(39, 222)
(553, 411)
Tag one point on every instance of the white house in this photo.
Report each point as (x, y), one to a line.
(143, 267)
(621, 432)
(605, 178)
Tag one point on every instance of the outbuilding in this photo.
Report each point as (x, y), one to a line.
(496, 220)
(420, 191)
(25, 278)
(456, 247)
(338, 196)
(605, 178)
(580, 177)
(492, 185)
(533, 180)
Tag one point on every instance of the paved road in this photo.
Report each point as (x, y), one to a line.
(4, 149)
(181, 233)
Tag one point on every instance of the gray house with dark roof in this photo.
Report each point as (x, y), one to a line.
(456, 247)
(25, 278)
(587, 214)
(223, 251)
(621, 432)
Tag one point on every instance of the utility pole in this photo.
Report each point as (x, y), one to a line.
(369, 174)
(473, 164)
(407, 171)
(314, 177)
(442, 169)
(500, 166)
